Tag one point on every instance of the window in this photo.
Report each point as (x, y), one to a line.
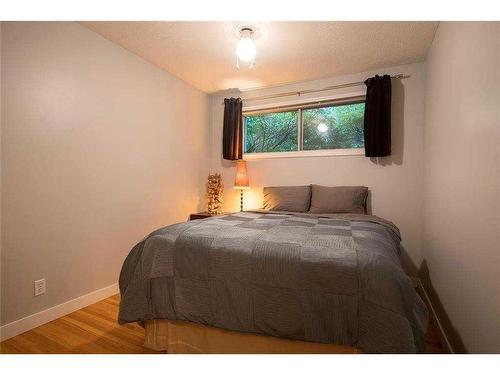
(307, 127)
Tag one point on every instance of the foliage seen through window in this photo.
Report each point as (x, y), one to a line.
(329, 127)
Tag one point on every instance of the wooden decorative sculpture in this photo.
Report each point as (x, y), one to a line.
(215, 188)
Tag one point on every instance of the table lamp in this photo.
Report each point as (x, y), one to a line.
(241, 180)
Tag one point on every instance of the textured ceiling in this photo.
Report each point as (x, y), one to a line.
(203, 53)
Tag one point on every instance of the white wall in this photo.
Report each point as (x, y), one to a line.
(461, 190)
(98, 149)
(395, 182)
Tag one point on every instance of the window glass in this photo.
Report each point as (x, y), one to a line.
(271, 132)
(333, 127)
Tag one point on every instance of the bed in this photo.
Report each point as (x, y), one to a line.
(273, 281)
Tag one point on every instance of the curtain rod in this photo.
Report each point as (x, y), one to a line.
(302, 92)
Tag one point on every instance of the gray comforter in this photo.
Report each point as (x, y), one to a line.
(323, 278)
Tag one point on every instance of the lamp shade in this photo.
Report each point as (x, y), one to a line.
(241, 179)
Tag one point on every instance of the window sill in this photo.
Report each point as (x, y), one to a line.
(305, 154)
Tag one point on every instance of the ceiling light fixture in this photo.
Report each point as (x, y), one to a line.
(245, 51)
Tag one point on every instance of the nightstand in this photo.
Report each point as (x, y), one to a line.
(200, 215)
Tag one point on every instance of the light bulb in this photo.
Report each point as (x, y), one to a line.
(322, 127)
(246, 49)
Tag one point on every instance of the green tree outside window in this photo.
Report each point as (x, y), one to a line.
(324, 128)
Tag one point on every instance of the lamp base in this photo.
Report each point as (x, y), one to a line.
(241, 200)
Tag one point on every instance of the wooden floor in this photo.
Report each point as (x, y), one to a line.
(94, 330)
(91, 330)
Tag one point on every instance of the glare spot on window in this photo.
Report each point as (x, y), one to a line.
(322, 127)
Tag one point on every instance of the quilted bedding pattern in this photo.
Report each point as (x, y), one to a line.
(321, 278)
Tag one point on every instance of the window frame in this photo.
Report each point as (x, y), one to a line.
(299, 105)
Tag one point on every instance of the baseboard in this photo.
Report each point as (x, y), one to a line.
(32, 321)
(418, 285)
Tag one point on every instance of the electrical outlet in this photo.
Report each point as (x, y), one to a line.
(39, 287)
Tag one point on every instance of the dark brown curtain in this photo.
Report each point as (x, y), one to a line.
(378, 116)
(232, 137)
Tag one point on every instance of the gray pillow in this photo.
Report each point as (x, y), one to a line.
(287, 198)
(338, 199)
